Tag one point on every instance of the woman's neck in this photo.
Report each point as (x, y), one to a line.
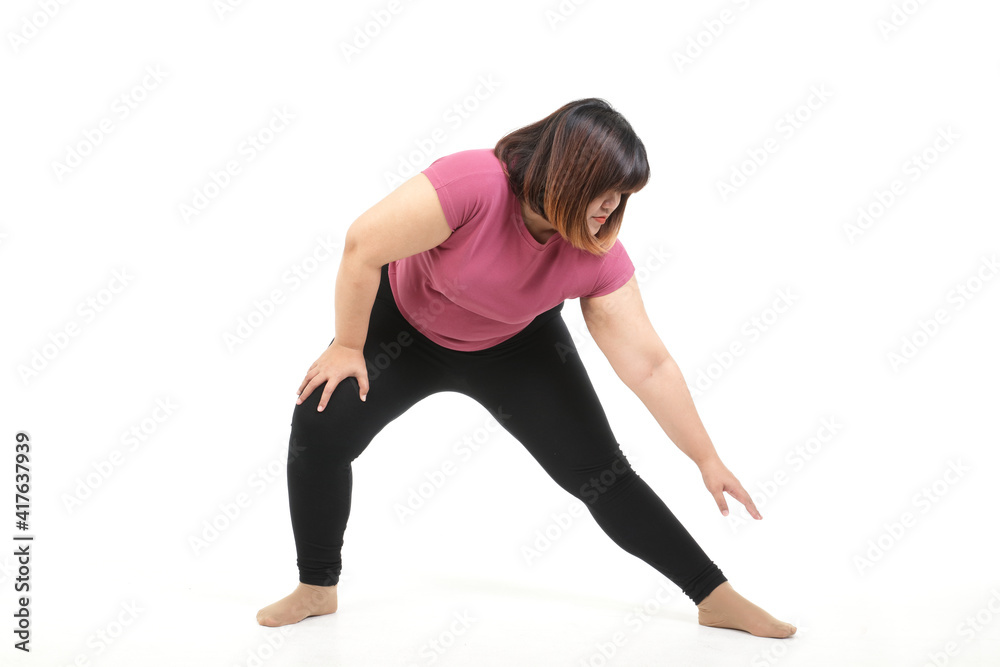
(539, 228)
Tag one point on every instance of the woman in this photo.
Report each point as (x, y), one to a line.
(455, 282)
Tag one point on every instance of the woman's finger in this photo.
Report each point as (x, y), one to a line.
(313, 383)
(720, 500)
(741, 495)
(305, 383)
(331, 384)
(363, 385)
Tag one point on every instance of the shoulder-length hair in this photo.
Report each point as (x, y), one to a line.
(561, 163)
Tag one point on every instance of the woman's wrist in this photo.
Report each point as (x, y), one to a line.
(709, 460)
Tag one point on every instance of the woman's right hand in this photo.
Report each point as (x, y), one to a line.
(333, 366)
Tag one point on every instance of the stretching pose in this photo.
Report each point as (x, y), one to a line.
(455, 282)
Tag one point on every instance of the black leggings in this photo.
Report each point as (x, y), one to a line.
(537, 388)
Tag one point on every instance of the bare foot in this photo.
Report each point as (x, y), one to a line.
(725, 608)
(305, 601)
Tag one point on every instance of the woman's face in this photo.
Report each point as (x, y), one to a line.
(600, 208)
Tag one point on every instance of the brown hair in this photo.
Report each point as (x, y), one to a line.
(563, 162)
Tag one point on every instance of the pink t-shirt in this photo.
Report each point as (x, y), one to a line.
(491, 277)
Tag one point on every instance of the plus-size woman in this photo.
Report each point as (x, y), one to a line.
(455, 282)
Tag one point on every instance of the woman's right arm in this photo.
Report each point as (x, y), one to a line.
(409, 220)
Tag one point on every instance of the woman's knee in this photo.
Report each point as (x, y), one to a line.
(310, 424)
(605, 481)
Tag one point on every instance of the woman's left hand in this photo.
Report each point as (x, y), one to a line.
(717, 479)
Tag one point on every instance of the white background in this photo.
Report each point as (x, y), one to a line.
(162, 337)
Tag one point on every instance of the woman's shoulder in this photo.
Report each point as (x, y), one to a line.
(474, 174)
(470, 163)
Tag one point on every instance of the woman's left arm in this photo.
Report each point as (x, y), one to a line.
(621, 328)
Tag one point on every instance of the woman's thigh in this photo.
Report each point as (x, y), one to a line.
(544, 398)
(400, 374)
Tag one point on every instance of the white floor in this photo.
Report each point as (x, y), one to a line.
(442, 620)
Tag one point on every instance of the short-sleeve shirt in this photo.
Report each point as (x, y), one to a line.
(491, 277)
